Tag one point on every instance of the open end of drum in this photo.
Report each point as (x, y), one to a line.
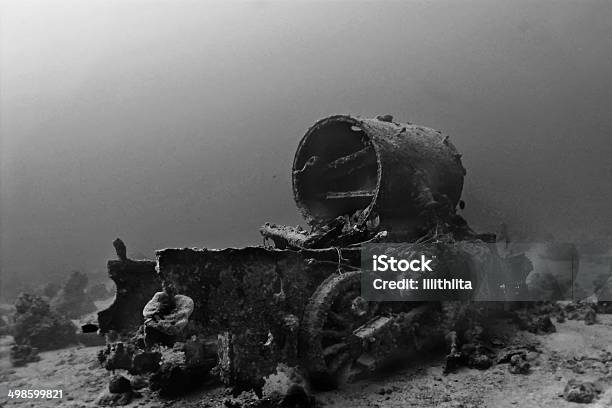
(336, 171)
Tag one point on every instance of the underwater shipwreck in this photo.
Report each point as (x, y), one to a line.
(237, 314)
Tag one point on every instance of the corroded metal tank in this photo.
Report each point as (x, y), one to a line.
(374, 168)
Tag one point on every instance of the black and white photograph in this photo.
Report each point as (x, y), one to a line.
(306, 203)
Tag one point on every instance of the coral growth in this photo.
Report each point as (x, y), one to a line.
(72, 301)
(38, 326)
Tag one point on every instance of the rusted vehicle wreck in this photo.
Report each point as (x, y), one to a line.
(296, 300)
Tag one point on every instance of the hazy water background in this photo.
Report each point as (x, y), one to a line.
(174, 123)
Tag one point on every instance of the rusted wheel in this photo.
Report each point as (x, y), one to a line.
(334, 311)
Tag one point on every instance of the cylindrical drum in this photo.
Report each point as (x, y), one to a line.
(374, 168)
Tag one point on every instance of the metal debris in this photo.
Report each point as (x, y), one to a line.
(297, 302)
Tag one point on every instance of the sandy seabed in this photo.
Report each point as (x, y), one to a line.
(76, 371)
